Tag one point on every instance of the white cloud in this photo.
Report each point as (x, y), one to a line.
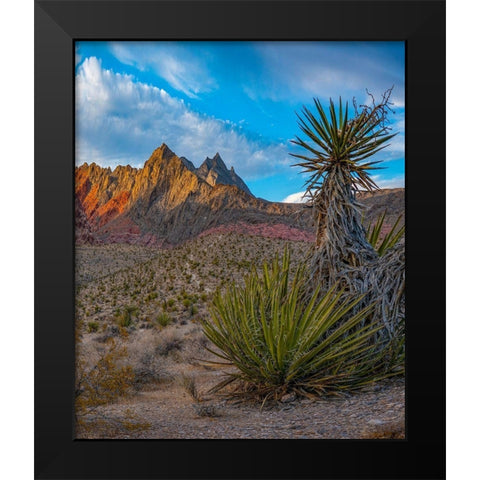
(338, 69)
(168, 60)
(398, 102)
(120, 120)
(394, 182)
(295, 198)
(395, 148)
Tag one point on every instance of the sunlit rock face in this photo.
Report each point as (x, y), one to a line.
(169, 201)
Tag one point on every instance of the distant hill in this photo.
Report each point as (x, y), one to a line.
(169, 201)
(390, 200)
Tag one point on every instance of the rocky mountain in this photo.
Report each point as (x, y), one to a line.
(391, 201)
(214, 171)
(169, 201)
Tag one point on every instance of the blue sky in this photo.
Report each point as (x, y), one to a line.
(235, 98)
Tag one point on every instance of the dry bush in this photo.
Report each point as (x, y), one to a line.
(170, 342)
(201, 409)
(105, 373)
(190, 386)
(194, 344)
(103, 426)
(146, 372)
(108, 379)
(109, 331)
(149, 367)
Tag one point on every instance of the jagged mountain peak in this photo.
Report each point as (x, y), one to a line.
(163, 152)
(216, 163)
(164, 148)
(188, 164)
(214, 171)
(165, 180)
(124, 168)
(166, 201)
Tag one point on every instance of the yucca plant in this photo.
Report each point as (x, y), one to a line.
(338, 146)
(390, 239)
(282, 340)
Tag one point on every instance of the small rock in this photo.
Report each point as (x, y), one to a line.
(376, 421)
(289, 397)
(206, 410)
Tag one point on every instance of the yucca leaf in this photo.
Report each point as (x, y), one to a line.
(389, 240)
(342, 141)
(278, 339)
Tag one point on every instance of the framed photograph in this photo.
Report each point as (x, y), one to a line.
(240, 239)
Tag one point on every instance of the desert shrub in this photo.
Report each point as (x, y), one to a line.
(146, 372)
(201, 409)
(163, 319)
(92, 327)
(282, 339)
(390, 239)
(168, 344)
(111, 426)
(130, 422)
(106, 381)
(124, 317)
(110, 331)
(151, 296)
(190, 386)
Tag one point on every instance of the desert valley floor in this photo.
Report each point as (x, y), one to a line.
(148, 302)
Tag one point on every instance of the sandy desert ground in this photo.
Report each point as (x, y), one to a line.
(142, 306)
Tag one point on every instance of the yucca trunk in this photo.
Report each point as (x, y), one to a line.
(344, 256)
(341, 242)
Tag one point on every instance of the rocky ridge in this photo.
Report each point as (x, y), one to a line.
(169, 201)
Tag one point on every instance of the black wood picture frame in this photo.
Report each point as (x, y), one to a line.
(421, 24)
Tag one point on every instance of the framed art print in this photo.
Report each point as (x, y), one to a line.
(239, 239)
